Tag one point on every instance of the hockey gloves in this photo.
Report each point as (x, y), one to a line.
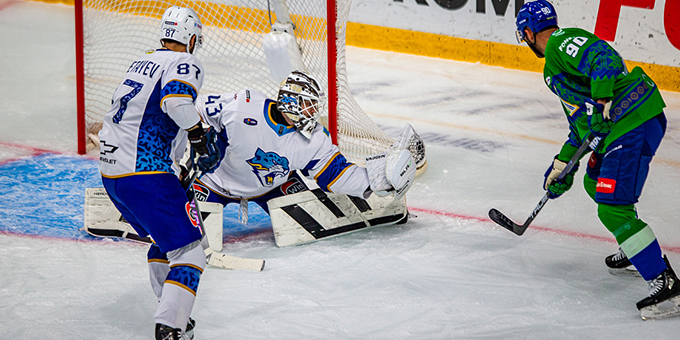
(556, 187)
(391, 172)
(599, 121)
(205, 143)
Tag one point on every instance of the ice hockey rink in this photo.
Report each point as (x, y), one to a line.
(449, 273)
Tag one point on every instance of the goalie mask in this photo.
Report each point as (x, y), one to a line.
(302, 100)
(180, 24)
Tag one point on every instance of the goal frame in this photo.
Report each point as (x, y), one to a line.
(80, 74)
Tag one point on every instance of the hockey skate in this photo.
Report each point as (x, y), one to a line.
(619, 264)
(664, 297)
(164, 332)
(189, 331)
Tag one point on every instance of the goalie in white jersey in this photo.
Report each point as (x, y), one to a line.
(142, 137)
(265, 141)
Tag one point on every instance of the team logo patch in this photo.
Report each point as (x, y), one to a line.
(605, 185)
(201, 192)
(192, 214)
(268, 166)
(249, 121)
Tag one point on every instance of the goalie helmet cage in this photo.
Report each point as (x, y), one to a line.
(111, 34)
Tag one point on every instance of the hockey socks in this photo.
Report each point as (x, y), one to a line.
(635, 238)
(180, 286)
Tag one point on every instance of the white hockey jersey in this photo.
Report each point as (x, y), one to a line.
(261, 153)
(138, 134)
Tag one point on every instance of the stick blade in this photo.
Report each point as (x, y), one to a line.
(225, 261)
(505, 222)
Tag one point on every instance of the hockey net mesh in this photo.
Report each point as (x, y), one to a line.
(116, 33)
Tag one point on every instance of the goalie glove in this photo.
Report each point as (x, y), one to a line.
(375, 167)
(392, 171)
(400, 170)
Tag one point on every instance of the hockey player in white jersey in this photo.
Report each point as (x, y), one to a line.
(265, 141)
(143, 135)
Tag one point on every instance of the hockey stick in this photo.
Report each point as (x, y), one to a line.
(507, 223)
(213, 258)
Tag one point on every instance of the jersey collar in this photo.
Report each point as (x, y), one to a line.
(279, 129)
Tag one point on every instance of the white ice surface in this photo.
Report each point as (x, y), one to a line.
(447, 274)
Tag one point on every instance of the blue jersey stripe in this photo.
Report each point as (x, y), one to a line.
(178, 88)
(332, 171)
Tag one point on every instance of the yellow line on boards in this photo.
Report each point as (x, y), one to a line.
(517, 56)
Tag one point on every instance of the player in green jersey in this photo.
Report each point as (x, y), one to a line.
(624, 111)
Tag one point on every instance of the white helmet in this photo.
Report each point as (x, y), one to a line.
(302, 100)
(180, 24)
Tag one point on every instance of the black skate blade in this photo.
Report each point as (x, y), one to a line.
(661, 310)
(629, 271)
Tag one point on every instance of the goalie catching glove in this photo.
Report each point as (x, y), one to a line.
(205, 144)
(394, 170)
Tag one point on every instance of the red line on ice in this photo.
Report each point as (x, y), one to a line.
(674, 249)
(7, 4)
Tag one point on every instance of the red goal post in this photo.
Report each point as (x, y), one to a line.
(111, 34)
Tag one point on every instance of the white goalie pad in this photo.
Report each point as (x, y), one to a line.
(312, 215)
(212, 223)
(102, 219)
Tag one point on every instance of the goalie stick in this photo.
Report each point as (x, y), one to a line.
(505, 222)
(214, 258)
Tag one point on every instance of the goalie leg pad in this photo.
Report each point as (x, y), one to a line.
(312, 215)
(102, 218)
(211, 214)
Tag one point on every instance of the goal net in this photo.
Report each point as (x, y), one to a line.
(115, 33)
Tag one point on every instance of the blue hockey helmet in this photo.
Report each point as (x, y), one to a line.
(535, 15)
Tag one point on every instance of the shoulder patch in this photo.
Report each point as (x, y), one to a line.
(250, 121)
